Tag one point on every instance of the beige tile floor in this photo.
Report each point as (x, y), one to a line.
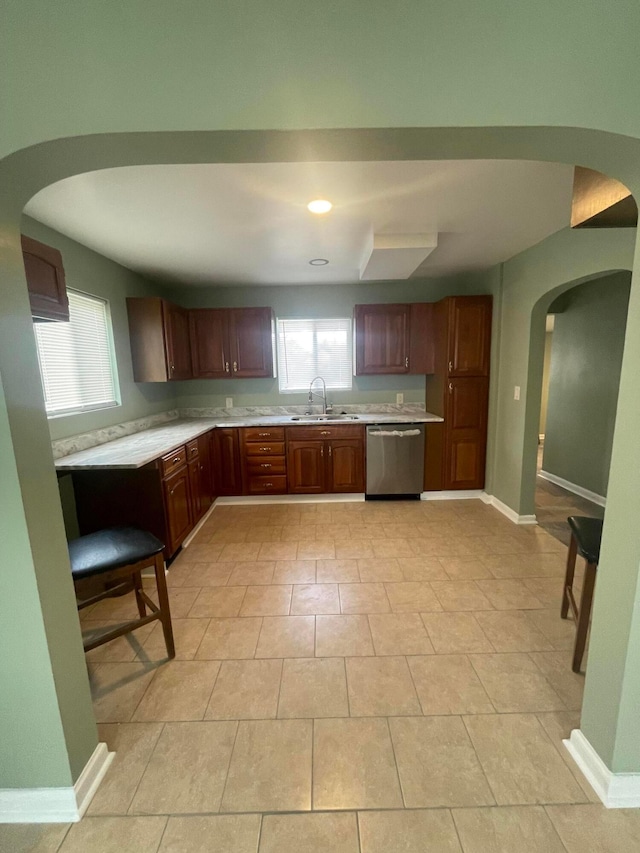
(349, 678)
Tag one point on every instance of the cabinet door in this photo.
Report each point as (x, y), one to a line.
(421, 338)
(177, 501)
(209, 343)
(45, 281)
(226, 462)
(250, 342)
(382, 339)
(178, 350)
(346, 465)
(469, 335)
(466, 433)
(306, 467)
(195, 486)
(206, 490)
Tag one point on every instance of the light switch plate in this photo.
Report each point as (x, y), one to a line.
(399, 399)
(229, 403)
(516, 392)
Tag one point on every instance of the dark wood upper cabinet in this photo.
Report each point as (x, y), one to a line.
(208, 329)
(177, 344)
(159, 336)
(421, 343)
(382, 339)
(45, 281)
(469, 334)
(232, 343)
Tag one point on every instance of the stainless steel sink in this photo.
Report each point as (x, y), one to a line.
(322, 418)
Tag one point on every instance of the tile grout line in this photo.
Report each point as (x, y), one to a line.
(146, 767)
(395, 762)
(226, 775)
(463, 717)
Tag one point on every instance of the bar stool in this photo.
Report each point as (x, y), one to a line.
(120, 554)
(586, 534)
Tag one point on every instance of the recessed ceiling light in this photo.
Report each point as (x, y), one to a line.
(318, 262)
(320, 205)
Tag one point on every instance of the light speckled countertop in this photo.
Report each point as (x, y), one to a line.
(134, 451)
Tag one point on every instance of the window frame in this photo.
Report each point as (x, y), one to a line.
(348, 321)
(113, 364)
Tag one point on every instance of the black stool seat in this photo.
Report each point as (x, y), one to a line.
(110, 549)
(121, 554)
(588, 533)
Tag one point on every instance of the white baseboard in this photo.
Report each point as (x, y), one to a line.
(511, 514)
(452, 495)
(572, 487)
(187, 541)
(616, 790)
(250, 500)
(56, 805)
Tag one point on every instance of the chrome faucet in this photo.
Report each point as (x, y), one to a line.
(322, 396)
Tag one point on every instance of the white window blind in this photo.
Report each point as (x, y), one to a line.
(310, 348)
(76, 361)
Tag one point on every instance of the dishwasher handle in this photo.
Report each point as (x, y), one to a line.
(394, 433)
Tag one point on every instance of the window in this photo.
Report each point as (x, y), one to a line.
(310, 348)
(76, 361)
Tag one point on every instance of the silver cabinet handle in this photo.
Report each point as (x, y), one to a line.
(176, 459)
(226, 367)
(450, 366)
(264, 434)
(451, 387)
(329, 450)
(268, 485)
(265, 449)
(265, 465)
(406, 362)
(325, 432)
(235, 366)
(322, 450)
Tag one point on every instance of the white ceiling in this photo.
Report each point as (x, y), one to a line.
(249, 224)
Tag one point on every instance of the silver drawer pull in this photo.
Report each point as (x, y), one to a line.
(264, 434)
(325, 432)
(265, 449)
(268, 485)
(176, 459)
(266, 465)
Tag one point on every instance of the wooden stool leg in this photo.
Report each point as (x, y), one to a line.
(137, 586)
(163, 600)
(586, 601)
(568, 578)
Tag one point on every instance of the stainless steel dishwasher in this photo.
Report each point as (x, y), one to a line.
(395, 459)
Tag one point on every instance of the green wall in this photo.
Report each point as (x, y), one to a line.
(92, 273)
(586, 358)
(308, 301)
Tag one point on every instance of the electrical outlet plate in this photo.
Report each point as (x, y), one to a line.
(229, 403)
(399, 399)
(516, 392)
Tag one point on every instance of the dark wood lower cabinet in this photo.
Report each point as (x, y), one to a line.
(333, 465)
(346, 465)
(225, 462)
(177, 500)
(466, 434)
(306, 467)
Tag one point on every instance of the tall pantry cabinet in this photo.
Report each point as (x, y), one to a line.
(458, 391)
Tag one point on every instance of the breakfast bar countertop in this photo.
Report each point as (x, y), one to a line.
(134, 451)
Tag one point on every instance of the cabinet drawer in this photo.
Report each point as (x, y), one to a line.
(324, 431)
(263, 434)
(267, 485)
(267, 466)
(258, 448)
(192, 449)
(174, 460)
